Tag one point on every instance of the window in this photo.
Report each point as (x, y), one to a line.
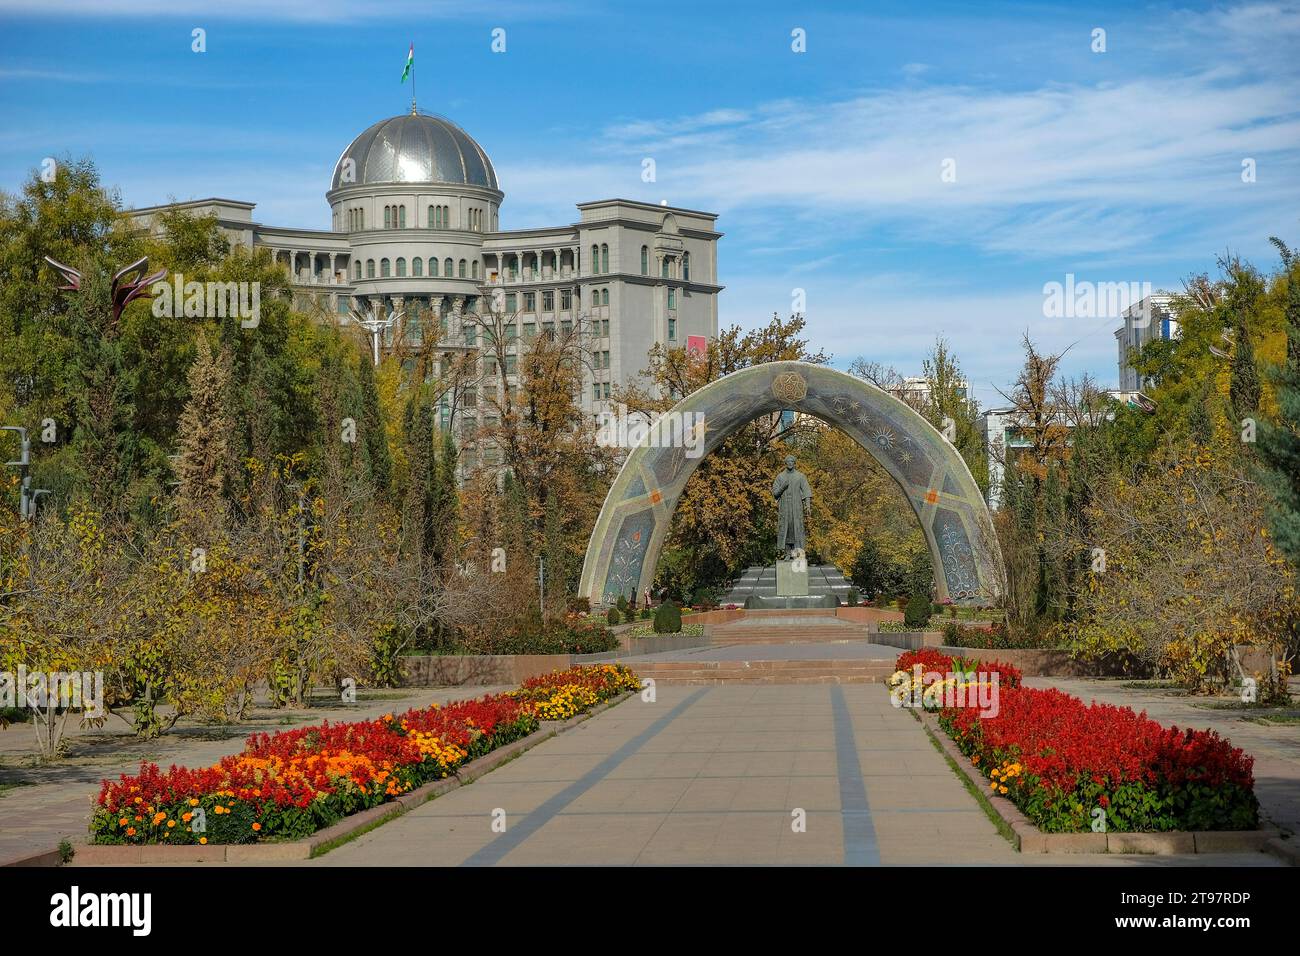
(566, 327)
(361, 217)
(470, 398)
(548, 329)
(530, 301)
(672, 330)
(512, 334)
(548, 301)
(388, 217)
(429, 222)
(357, 270)
(672, 298)
(510, 365)
(604, 258)
(605, 358)
(604, 328)
(604, 297)
(606, 388)
(663, 267)
(417, 266)
(433, 267)
(383, 267)
(474, 268)
(595, 259)
(686, 266)
(446, 268)
(566, 299)
(530, 331)
(370, 268)
(595, 391)
(645, 260)
(461, 270)
(343, 305)
(401, 268)
(511, 302)
(401, 216)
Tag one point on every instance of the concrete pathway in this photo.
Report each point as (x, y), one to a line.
(709, 776)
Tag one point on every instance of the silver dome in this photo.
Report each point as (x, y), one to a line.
(415, 148)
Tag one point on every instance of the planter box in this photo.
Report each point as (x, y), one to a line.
(1030, 839)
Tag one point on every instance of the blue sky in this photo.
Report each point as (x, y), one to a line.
(825, 166)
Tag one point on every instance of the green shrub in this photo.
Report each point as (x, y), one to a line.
(646, 614)
(668, 619)
(917, 612)
(621, 604)
(612, 616)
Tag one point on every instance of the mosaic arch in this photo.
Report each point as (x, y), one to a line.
(633, 522)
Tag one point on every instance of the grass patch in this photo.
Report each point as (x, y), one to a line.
(647, 629)
(1274, 719)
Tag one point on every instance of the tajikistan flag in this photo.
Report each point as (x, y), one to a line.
(410, 62)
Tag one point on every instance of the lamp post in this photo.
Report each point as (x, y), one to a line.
(27, 495)
(373, 323)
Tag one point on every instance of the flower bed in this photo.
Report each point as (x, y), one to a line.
(1059, 760)
(290, 784)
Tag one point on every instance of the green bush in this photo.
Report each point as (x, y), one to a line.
(646, 614)
(917, 612)
(668, 619)
(612, 616)
(629, 614)
(621, 604)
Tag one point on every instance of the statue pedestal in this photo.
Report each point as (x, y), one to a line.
(789, 582)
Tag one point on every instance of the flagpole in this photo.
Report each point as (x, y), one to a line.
(412, 79)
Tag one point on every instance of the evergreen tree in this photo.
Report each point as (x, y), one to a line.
(206, 440)
(371, 423)
(1279, 443)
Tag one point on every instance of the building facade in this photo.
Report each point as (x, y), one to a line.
(1145, 321)
(415, 229)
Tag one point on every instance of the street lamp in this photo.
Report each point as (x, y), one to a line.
(376, 325)
(27, 495)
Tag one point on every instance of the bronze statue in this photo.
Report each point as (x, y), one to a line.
(794, 498)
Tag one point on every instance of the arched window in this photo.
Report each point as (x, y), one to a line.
(645, 260)
(595, 259)
(361, 224)
(433, 266)
(429, 220)
(664, 267)
(604, 297)
(356, 271)
(401, 216)
(686, 266)
(446, 268)
(604, 258)
(401, 268)
(388, 217)
(417, 266)
(461, 271)
(383, 268)
(474, 268)
(370, 268)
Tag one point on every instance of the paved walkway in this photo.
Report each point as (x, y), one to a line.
(709, 776)
(830, 651)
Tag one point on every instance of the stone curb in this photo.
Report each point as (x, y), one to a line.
(317, 844)
(1030, 839)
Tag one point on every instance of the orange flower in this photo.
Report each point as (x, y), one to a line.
(130, 831)
(203, 841)
(257, 826)
(122, 822)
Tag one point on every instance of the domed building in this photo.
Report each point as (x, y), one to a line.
(415, 229)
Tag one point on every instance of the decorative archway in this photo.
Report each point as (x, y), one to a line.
(934, 479)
